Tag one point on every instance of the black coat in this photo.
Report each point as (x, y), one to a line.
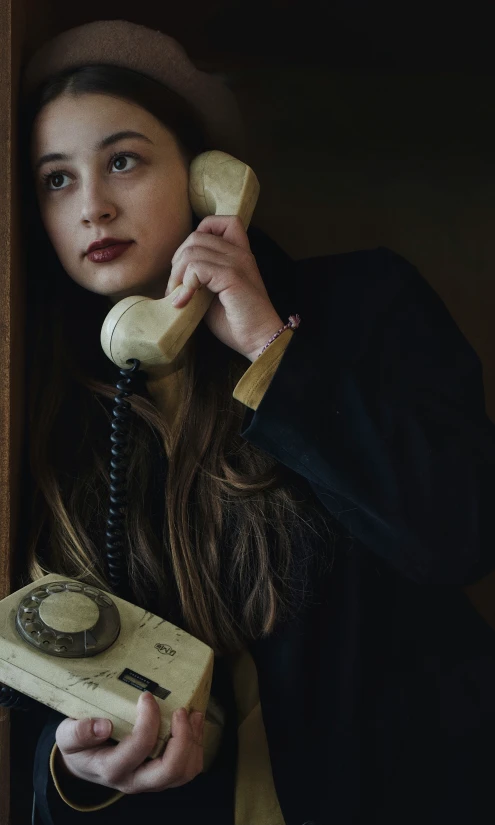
(379, 697)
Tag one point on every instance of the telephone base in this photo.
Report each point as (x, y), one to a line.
(148, 654)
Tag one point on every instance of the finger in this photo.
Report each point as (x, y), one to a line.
(230, 227)
(191, 256)
(184, 294)
(197, 720)
(216, 232)
(128, 754)
(180, 762)
(227, 255)
(202, 242)
(75, 735)
(201, 273)
(194, 766)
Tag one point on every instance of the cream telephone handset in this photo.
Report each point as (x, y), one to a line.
(75, 647)
(154, 331)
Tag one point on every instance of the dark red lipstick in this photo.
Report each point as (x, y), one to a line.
(107, 249)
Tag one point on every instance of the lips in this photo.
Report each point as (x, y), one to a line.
(104, 243)
(108, 253)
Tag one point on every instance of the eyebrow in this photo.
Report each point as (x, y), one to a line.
(102, 144)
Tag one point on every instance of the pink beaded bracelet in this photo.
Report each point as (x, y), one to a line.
(294, 321)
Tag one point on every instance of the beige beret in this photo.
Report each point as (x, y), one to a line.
(152, 53)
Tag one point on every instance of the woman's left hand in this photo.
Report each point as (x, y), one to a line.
(218, 256)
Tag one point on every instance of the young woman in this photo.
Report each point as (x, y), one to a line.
(311, 509)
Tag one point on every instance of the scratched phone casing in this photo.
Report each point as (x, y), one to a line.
(148, 654)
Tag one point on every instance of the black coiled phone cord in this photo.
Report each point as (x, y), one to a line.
(116, 521)
(13, 700)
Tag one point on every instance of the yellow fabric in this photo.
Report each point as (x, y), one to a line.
(256, 800)
(256, 380)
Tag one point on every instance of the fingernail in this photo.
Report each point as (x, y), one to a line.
(178, 297)
(101, 727)
(180, 714)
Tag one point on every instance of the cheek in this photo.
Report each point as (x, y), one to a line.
(168, 220)
(166, 197)
(56, 225)
(168, 201)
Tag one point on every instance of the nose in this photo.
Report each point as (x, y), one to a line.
(96, 204)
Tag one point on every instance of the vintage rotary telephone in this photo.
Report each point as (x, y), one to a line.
(75, 647)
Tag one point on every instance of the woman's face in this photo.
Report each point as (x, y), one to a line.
(132, 189)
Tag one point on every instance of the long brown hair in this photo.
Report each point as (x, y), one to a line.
(220, 542)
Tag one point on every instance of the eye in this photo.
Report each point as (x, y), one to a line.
(123, 156)
(55, 175)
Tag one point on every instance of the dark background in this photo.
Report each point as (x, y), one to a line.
(351, 34)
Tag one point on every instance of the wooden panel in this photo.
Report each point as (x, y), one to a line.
(21, 22)
(5, 247)
(11, 329)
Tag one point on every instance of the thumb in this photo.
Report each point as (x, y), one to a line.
(74, 735)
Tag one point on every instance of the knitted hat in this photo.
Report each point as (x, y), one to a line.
(152, 53)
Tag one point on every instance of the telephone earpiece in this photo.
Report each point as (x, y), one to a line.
(154, 331)
(219, 184)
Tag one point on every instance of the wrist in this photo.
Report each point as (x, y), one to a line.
(265, 336)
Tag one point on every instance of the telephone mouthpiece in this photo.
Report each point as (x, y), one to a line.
(153, 331)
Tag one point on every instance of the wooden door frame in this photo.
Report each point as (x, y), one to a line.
(12, 20)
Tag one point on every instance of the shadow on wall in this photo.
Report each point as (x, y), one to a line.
(351, 160)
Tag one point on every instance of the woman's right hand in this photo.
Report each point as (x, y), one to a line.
(122, 766)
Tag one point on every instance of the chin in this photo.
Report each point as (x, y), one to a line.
(118, 288)
(146, 290)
